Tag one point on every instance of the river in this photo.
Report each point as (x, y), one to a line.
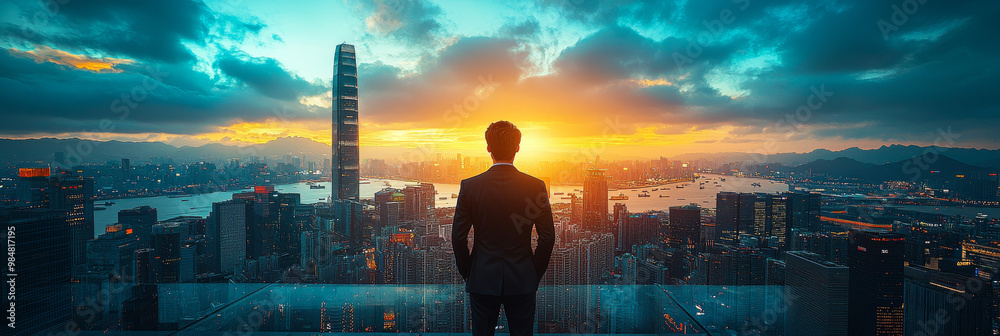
(201, 204)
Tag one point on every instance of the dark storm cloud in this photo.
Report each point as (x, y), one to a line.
(266, 75)
(157, 87)
(145, 30)
(45, 97)
(612, 12)
(900, 68)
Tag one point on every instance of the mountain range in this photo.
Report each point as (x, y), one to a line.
(989, 158)
(841, 162)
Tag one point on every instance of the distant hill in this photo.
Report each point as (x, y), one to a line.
(841, 166)
(989, 158)
(914, 167)
(77, 150)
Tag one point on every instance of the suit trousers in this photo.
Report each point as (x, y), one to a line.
(520, 311)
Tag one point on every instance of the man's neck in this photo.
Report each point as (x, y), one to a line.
(511, 162)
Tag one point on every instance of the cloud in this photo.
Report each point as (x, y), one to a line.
(46, 54)
(411, 21)
(267, 76)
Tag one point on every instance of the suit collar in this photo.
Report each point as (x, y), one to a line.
(502, 168)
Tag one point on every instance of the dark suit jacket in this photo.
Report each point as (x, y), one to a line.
(502, 204)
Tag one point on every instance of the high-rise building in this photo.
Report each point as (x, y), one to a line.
(140, 219)
(227, 233)
(111, 254)
(73, 194)
(32, 188)
(876, 292)
(344, 171)
(43, 300)
(348, 220)
(685, 226)
(818, 293)
(940, 303)
(595, 200)
(638, 229)
(166, 241)
(619, 222)
(418, 201)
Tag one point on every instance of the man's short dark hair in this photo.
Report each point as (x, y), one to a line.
(503, 139)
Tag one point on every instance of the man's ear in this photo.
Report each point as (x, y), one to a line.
(488, 149)
(518, 149)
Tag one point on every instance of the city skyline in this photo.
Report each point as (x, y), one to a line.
(608, 78)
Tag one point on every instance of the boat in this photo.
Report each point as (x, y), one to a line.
(662, 196)
(655, 189)
(453, 195)
(184, 200)
(442, 198)
(679, 186)
(387, 184)
(701, 187)
(644, 194)
(558, 193)
(566, 198)
(317, 186)
(704, 201)
(722, 179)
(96, 208)
(620, 197)
(109, 203)
(680, 199)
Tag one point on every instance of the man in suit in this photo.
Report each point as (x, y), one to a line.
(502, 205)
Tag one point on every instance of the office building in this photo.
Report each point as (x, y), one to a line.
(820, 292)
(685, 226)
(43, 300)
(876, 292)
(344, 172)
(595, 200)
(140, 219)
(418, 201)
(227, 234)
(945, 304)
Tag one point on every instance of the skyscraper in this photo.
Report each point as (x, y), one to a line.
(344, 171)
(941, 303)
(73, 194)
(595, 200)
(876, 292)
(685, 226)
(227, 233)
(140, 219)
(819, 289)
(43, 300)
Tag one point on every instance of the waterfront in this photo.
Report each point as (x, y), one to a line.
(201, 204)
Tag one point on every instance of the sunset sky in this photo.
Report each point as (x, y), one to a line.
(615, 78)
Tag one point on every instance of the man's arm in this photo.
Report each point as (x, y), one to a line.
(460, 227)
(545, 228)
